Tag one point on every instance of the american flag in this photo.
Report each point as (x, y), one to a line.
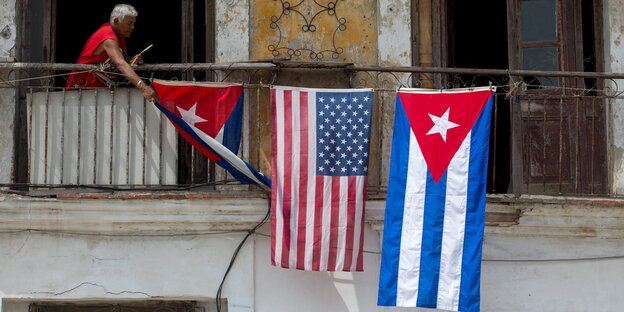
(320, 163)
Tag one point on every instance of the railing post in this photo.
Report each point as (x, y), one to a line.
(517, 183)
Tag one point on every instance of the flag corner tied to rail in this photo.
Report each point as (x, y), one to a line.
(209, 116)
(320, 146)
(435, 208)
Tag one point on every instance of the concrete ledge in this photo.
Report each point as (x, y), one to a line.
(198, 213)
(162, 215)
(541, 216)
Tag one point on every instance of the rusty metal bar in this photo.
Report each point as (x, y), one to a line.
(258, 129)
(95, 138)
(145, 67)
(544, 119)
(577, 151)
(591, 140)
(129, 135)
(517, 153)
(276, 65)
(114, 105)
(79, 138)
(494, 132)
(560, 144)
(529, 146)
(47, 124)
(63, 107)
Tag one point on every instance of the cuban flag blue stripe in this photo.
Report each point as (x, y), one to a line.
(232, 127)
(475, 215)
(431, 242)
(239, 169)
(393, 218)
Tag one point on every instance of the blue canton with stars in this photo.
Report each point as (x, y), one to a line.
(343, 122)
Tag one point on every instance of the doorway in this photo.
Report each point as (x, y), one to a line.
(477, 38)
(156, 24)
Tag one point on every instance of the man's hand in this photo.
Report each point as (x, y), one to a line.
(137, 59)
(149, 93)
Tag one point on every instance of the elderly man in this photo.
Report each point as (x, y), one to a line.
(109, 43)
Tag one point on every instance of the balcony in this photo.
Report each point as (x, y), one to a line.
(549, 132)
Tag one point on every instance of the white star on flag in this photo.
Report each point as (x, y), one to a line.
(190, 116)
(441, 124)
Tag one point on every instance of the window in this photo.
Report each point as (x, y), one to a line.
(126, 306)
(552, 137)
(55, 31)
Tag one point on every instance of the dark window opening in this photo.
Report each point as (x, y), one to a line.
(160, 25)
(478, 39)
(130, 306)
(156, 24)
(590, 59)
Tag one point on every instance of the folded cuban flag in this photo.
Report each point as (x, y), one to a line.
(209, 116)
(435, 209)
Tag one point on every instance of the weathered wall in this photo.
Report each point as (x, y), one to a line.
(8, 31)
(70, 267)
(556, 258)
(7, 95)
(394, 48)
(518, 273)
(614, 60)
(336, 31)
(394, 43)
(232, 31)
(7, 107)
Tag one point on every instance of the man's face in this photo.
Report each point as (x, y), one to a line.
(126, 26)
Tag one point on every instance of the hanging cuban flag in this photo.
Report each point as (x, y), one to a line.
(320, 165)
(435, 208)
(209, 116)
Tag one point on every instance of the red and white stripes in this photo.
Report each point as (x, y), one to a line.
(317, 220)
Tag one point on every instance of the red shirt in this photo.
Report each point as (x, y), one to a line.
(90, 80)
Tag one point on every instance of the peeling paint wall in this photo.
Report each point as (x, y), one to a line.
(8, 35)
(394, 33)
(40, 266)
(341, 31)
(7, 107)
(8, 31)
(71, 267)
(614, 58)
(232, 31)
(520, 273)
(394, 49)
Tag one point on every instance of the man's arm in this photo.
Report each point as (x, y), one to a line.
(124, 52)
(112, 49)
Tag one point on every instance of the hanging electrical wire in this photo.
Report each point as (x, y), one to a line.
(235, 254)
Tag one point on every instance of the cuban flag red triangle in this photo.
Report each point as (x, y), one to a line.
(440, 122)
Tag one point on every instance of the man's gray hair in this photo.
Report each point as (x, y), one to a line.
(120, 12)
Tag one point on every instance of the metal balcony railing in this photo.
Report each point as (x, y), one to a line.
(549, 129)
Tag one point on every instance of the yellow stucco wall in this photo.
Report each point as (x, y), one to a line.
(344, 31)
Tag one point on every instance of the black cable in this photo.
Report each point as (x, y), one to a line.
(60, 232)
(235, 254)
(117, 188)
